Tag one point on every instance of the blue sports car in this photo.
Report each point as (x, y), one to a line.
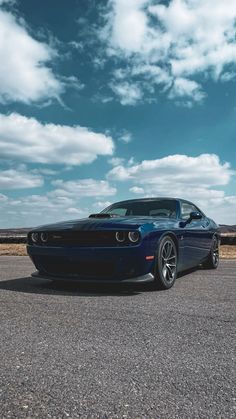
(137, 240)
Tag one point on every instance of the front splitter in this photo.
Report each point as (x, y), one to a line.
(138, 279)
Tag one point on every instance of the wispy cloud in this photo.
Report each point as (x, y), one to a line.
(125, 137)
(137, 190)
(116, 161)
(28, 210)
(128, 93)
(99, 205)
(83, 188)
(76, 198)
(19, 178)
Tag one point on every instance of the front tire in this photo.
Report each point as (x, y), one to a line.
(212, 261)
(166, 264)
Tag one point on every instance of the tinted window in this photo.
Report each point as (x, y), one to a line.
(118, 211)
(159, 208)
(186, 210)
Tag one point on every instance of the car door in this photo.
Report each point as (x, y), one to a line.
(195, 236)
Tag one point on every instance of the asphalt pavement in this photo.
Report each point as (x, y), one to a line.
(95, 351)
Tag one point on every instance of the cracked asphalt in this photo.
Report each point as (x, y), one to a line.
(95, 351)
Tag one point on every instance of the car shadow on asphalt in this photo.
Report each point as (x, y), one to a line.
(41, 286)
(44, 286)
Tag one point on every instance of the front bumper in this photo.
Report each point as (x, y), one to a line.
(93, 263)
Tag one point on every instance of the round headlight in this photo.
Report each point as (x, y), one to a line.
(34, 237)
(120, 236)
(44, 237)
(133, 236)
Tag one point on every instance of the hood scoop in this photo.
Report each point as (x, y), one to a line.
(103, 215)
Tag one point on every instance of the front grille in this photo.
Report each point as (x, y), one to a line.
(81, 238)
(65, 267)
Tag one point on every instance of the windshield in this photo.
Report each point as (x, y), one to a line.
(158, 208)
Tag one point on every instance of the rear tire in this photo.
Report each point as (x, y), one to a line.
(166, 264)
(212, 261)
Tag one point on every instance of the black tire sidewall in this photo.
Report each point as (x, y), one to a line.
(159, 279)
(214, 265)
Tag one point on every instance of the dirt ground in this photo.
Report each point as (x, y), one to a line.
(226, 252)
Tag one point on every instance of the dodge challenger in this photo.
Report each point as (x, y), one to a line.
(137, 240)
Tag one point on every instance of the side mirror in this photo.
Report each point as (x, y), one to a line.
(195, 216)
(192, 216)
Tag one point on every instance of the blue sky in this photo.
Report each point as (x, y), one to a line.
(109, 100)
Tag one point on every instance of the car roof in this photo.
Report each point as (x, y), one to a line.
(155, 199)
(152, 199)
(180, 200)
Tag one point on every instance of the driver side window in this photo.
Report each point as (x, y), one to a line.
(186, 210)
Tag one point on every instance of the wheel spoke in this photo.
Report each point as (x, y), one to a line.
(172, 257)
(169, 250)
(170, 271)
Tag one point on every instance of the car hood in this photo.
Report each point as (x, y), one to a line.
(126, 223)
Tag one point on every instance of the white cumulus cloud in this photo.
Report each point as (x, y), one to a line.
(198, 179)
(24, 72)
(169, 45)
(28, 140)
(205, 170)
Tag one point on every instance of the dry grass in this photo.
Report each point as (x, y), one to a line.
(226, 252)
(12, 250)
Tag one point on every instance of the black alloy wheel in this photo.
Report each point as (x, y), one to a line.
(166, 263)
